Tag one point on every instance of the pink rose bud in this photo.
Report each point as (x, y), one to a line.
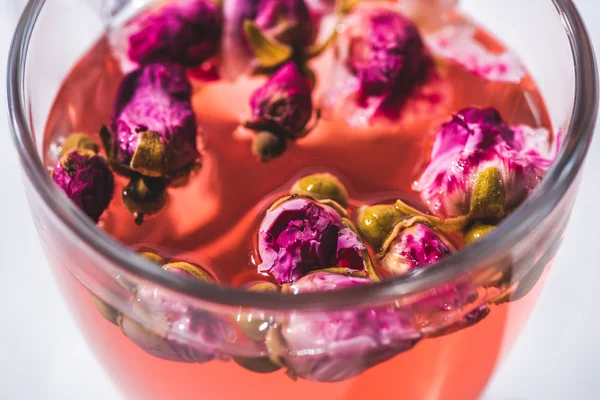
(335, 346)
(283, 105)
(482, 167)
(154, 128)
(301, 235)
(84, 176)
(381, 61)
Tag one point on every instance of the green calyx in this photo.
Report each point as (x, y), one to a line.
(144, 196)
(255, 325)
(194, 270)
(109, 313)
(78, 142)
(321, 187)
(477, 232)
(261, 365)
(273, 52)
(267, 146)
(487, 199)
(269, 52)
(376, 223)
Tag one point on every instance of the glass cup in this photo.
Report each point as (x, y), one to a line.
(163, 336)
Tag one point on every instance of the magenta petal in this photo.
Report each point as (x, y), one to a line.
(156, 98)
(300, 236)
(283, 105)
(88, 182)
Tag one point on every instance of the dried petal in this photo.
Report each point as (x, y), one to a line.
(186, 32)
(474, 141)
(283, 105)
(154, 127)
(301, 235)
(334, 346)
(86, 179)
(414, 247)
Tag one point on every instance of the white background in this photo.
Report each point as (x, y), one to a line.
(43, 355)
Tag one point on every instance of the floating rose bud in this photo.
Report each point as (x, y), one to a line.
(283, 105)
(414, 247)
(265, 34)
(176, 331)
(186, 32)
(381, 60)
(300, 235)
(334, 346)
(482, 167)
(154, 127)
(86, 179)
(412, 244)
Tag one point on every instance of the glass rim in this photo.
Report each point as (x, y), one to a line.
(508, 234)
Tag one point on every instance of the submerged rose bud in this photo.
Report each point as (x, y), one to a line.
(186, 32)
(381, 59)
(175, 330)
(265, 33)
(300, 235)
(482, 167)
(414, 247)
(334, 346)
(153, 126)
(86, 179)
(283, 105)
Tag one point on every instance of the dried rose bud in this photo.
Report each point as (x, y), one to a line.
(177, 332)
(265, 33)
(86, 179)
(283, 105)
(376, 223)
(109, 313)
(186, 32)
(477, 232)
(380, 60)
(414, 247)
(153, 126)
(322, 187)
(482, 167)
(335, 346)
(299, 235)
